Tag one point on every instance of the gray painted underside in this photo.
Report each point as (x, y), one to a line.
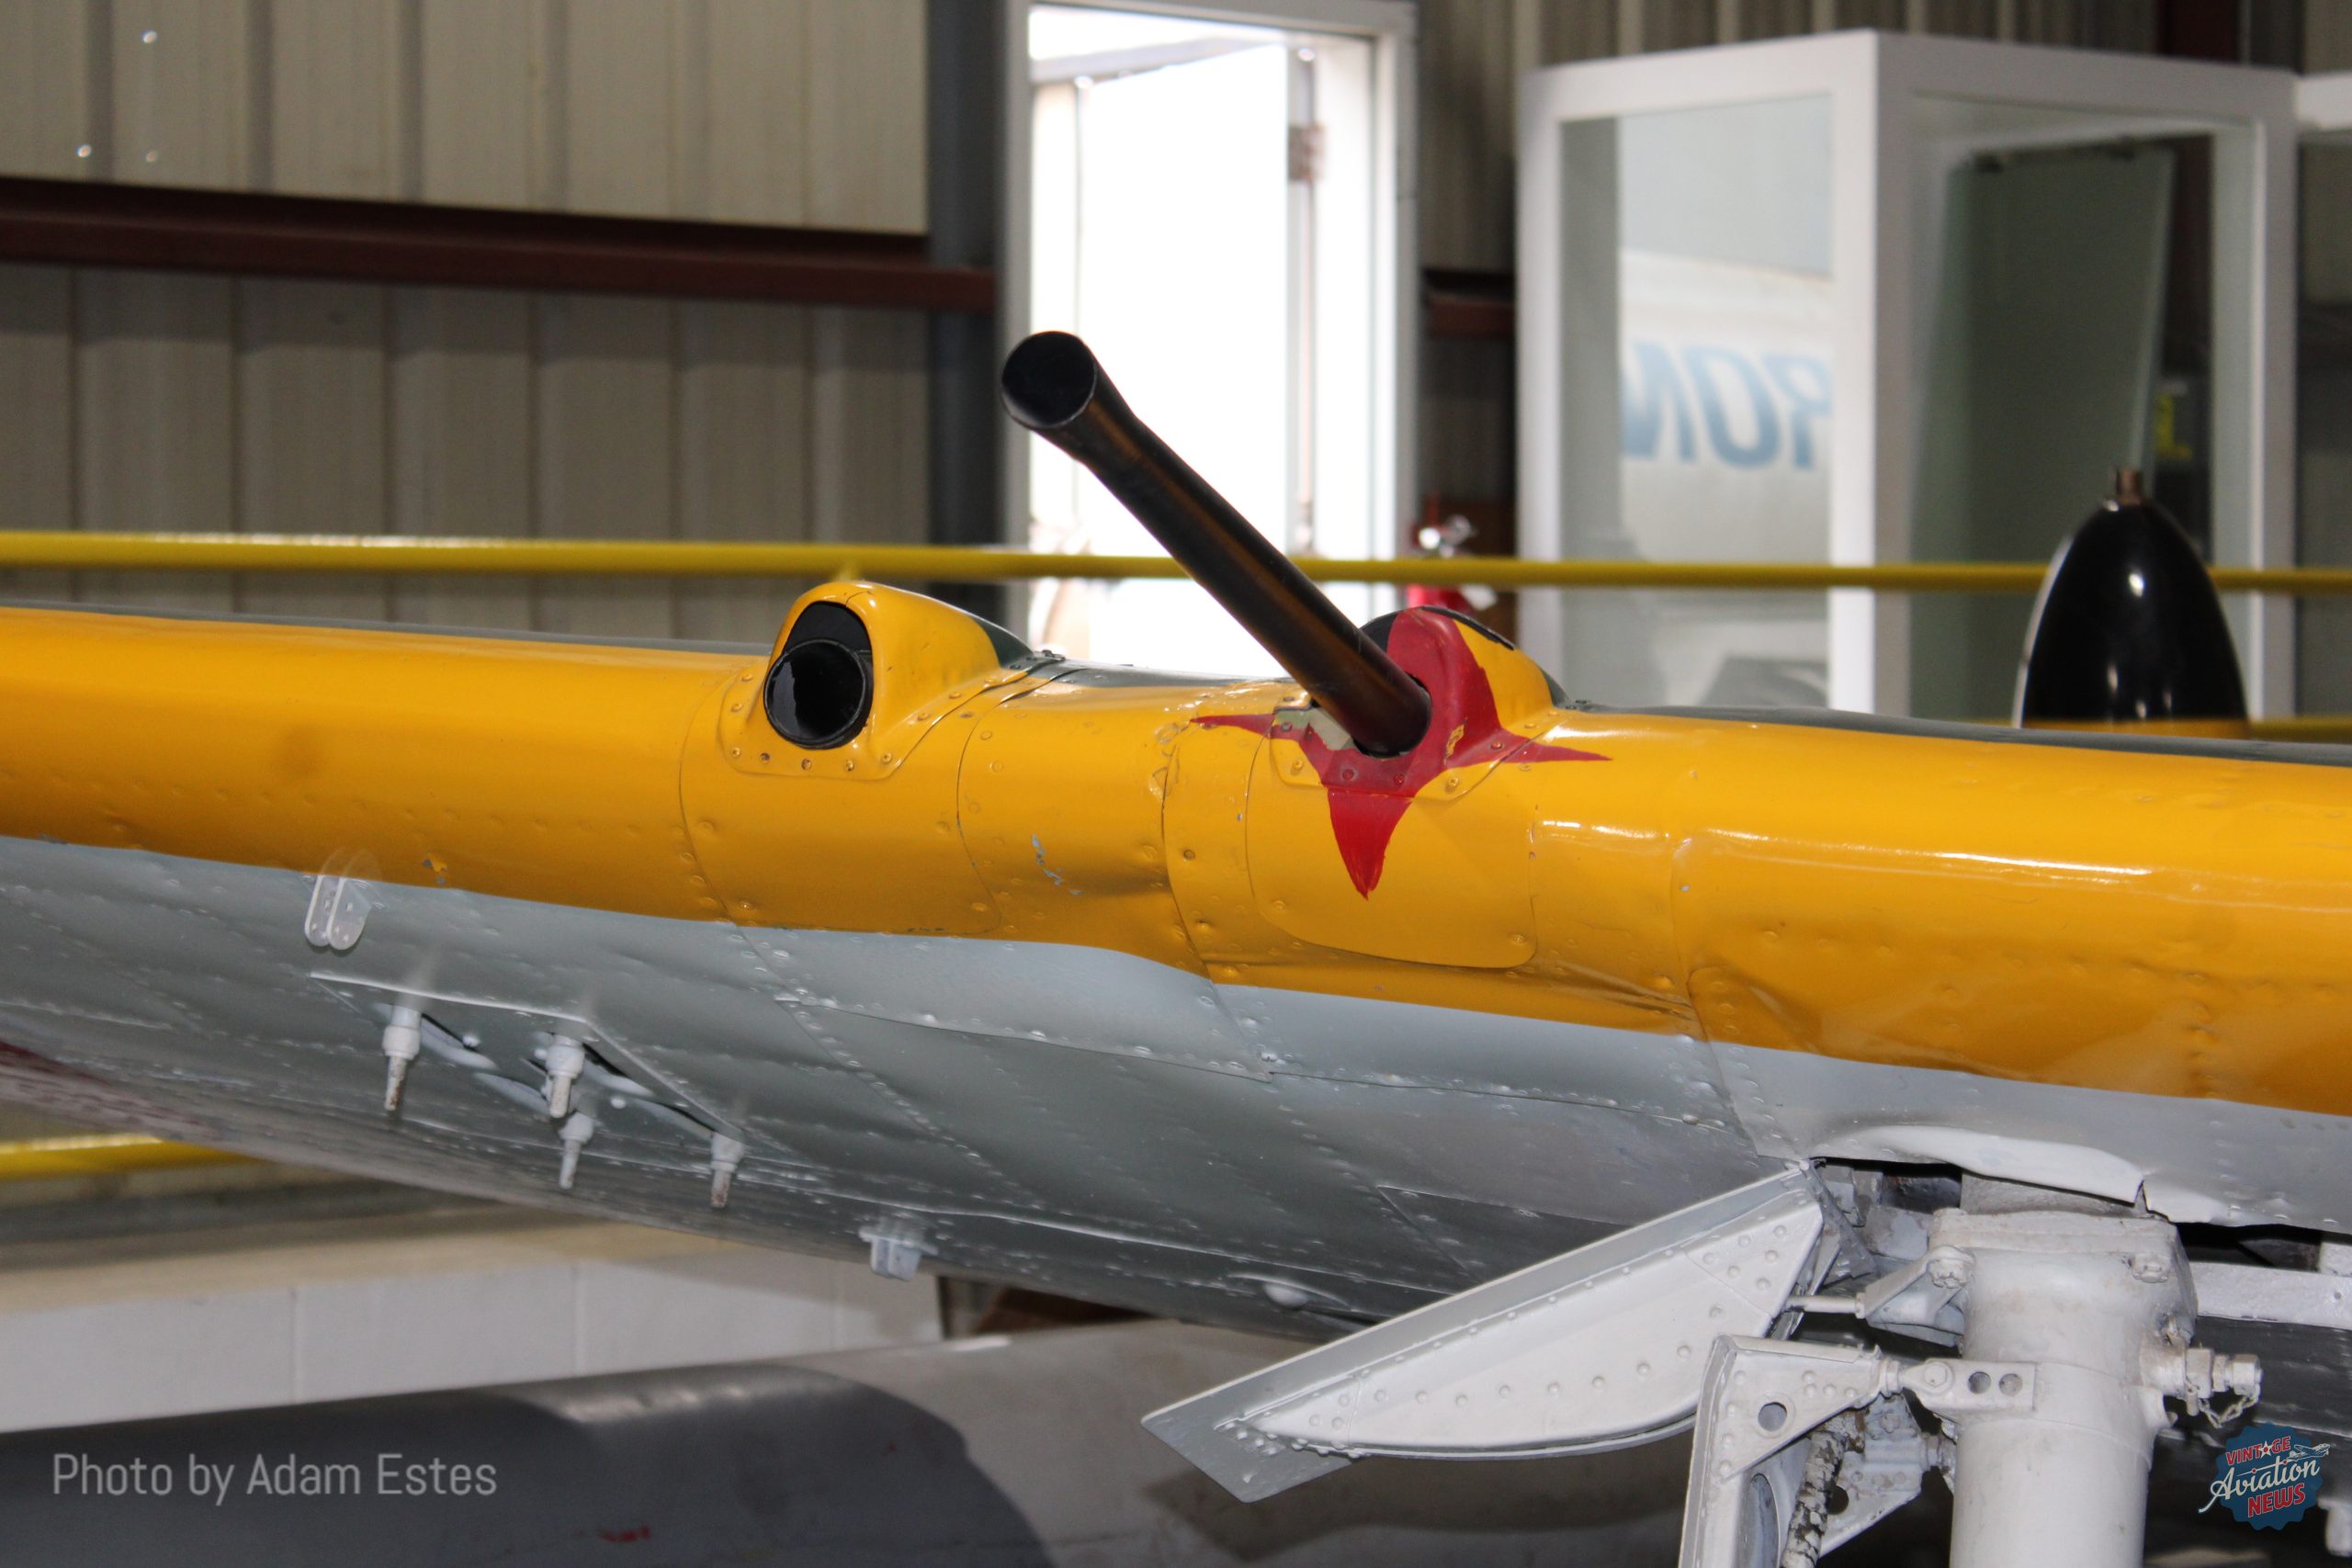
(1077, 1119)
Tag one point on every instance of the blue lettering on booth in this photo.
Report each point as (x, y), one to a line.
(1777, 386)
(1652, 384)
(1698, 358)
(1803, 379)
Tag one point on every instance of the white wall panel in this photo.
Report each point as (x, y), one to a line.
(220, 1351)
(126, 1330)
(354, 1339)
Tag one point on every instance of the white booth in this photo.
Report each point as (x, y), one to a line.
(1868, 298)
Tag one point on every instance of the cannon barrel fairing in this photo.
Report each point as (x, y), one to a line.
(1053, 385)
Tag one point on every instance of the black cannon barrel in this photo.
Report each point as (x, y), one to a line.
(1053, 385)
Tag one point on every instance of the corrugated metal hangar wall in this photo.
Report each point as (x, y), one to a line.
(162, 401)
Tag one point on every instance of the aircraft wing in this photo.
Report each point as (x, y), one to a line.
(1193, 997)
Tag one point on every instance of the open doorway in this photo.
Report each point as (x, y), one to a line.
(1212, 205)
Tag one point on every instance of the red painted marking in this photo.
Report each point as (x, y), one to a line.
(1368, 796)
(39, 1083)
(622, 1538)
(16, 1058)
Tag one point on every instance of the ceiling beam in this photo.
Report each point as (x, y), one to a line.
(107, 224)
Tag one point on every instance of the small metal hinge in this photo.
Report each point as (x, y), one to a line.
(1306, 154)
(338, 912)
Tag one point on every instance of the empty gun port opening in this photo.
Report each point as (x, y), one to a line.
(818, 694)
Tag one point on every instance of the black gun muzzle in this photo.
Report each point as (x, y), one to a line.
(1053, 385)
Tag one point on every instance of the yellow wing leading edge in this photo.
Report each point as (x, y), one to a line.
(2168, 921)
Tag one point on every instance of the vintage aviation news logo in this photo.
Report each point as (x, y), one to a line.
(2267, 1477)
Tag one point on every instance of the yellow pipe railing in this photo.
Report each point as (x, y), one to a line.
(407, 554)
(100, 1153)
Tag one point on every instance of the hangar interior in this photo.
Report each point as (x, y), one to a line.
(742, 272)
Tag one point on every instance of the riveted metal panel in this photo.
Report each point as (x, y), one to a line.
(990, 1095)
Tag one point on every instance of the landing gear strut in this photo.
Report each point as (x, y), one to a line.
(2102, 1311)
(2074, 1330)
(2070, 1323)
